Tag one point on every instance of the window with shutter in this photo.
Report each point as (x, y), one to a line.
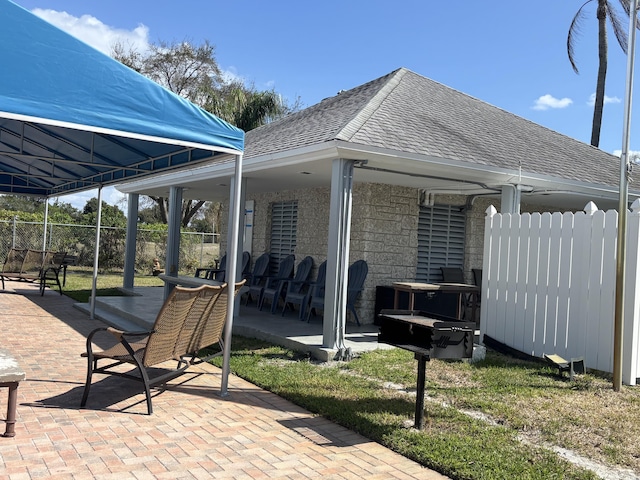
(284, 220)
(441, 231)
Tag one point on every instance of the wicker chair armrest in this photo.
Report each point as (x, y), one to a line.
(117, 333)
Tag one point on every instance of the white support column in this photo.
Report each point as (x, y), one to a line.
(239, 200)
(173, 236)
(130, 242)
(232, 264)
(96, 255)
(335, 300)
(242, 215)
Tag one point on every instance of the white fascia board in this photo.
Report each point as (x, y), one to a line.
(224, 169)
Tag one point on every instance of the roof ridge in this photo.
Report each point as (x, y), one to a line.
(347, 132)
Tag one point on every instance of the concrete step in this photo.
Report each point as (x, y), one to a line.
(115, 318)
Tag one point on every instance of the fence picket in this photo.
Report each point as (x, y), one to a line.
(553, 282)
(521, 285)
(564, 312)
(510, 294)
(491, 254)
(502, 276)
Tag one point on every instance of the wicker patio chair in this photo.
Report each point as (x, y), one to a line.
(209, 329)
(51, 267)
(168, 340)
(33, 266)
(13, 264)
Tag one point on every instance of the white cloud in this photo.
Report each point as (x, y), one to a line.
(634, 155)
(592, 100)
(95, 33)
(230, 74)
(545, 102)
(109, 195)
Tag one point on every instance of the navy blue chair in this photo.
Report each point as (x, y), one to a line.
(285, 271)
(297, 289)
(257, 278)
(356, 276)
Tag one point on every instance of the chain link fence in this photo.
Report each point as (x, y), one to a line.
(196, 249)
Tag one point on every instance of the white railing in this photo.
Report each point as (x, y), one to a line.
(549, 285)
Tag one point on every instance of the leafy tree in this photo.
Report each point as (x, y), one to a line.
(208, 219)
(22, 203)
(111, 215)
(189, 70)
(189, 209)
(31, 209)
(111, 239)
(149, 214)
(63, 212)
(192, 72)
(605, 10)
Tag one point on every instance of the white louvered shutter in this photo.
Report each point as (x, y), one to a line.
(284, 222)
(440, 241)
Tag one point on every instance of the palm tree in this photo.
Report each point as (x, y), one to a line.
(604, 10)
(244, 106)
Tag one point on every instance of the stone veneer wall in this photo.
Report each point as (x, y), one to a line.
(384, 231)
(385, 234)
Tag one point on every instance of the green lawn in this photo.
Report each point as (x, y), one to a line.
(79, 282)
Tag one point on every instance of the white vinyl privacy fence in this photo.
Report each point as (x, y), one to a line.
(549, 285)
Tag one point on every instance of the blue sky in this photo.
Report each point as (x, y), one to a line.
(509, 54)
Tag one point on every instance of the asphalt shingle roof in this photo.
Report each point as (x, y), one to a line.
(410, 113)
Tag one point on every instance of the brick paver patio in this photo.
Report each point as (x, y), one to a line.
(193, 433)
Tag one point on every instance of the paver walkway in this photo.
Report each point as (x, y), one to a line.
(193, 433)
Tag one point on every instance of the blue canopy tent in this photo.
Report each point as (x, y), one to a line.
(74, 119)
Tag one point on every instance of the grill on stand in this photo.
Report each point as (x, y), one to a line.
(428, 337)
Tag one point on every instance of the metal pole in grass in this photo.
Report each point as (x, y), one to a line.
(622, 205)
(96, 254)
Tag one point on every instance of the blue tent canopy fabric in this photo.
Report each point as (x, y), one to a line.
(73, 118)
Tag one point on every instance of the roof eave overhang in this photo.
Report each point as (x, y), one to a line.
(249, 165)
(376, 156)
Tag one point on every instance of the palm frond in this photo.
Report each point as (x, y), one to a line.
(574, 32)
(617, 23)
